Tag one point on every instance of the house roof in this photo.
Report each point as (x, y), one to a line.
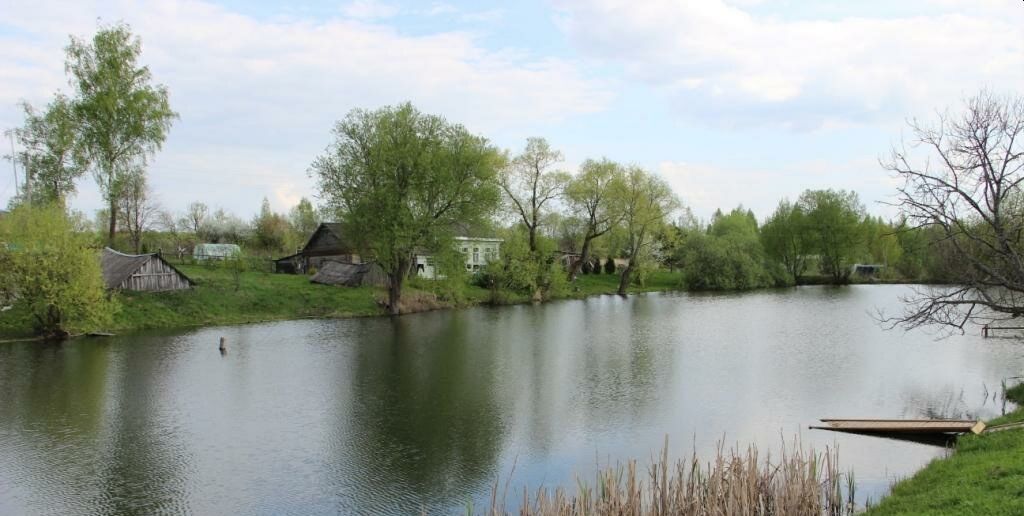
(118, 266)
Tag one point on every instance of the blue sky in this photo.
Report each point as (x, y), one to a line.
(732, 101)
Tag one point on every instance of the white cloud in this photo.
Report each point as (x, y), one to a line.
(369, 10)
(705, 187)
(720, 63)
(257, 97)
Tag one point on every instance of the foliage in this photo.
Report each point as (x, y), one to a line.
(609, 265)
(269, 229)
(833, 224)
(786, 239)
(647, 203)
(51, 273)
(122, 117)
(401, 180)
(595, 194)
(51, 158)
(303, 218)
(530, 184)
(521, 271)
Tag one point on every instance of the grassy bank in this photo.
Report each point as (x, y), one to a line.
(985, 475)
(260, 296)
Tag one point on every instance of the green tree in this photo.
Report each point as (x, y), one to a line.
(785, 238)
(303, 218)
(50, 155)
(49, 270)
(270, 229)
(122, 117)
(648, 201)
(833, 223)
(530, 183)
(401, 180)
(592, 196)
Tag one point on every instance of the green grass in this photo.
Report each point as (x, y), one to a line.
(261, 296)
(985, 475)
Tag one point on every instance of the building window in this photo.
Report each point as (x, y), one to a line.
(476, 255)
(430, 261)
(467, 267)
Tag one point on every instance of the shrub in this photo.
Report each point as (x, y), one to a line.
(50, 272)
(609, 266)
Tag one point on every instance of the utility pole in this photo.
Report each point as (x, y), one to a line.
(14, 162)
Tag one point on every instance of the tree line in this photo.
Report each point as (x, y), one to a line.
(404, 182)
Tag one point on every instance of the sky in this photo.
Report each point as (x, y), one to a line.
(731, 101)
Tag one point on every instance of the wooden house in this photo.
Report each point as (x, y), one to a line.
(142, 272)
(326, 244)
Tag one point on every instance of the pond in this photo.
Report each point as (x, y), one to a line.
(424, 412)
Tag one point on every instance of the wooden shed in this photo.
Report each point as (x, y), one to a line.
(142, 272)
(326, 244)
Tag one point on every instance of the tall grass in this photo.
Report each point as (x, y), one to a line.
(734, 482)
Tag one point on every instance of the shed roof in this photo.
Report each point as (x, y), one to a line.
(118, 266)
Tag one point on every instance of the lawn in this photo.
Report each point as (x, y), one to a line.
(984, 476)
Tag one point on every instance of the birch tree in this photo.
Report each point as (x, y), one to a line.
(123, 118)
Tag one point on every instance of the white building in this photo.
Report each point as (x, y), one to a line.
(478, 251)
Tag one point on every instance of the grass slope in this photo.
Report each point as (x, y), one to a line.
(984, 476)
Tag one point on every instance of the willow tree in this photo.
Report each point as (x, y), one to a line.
(401, 180)
(50, 155)
(648, 202)
(123, 118)
(592, 196)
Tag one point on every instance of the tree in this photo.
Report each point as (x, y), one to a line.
(51, 271)
(962, 178)
(136, 208)
(195, 217)
(401, 180)
(530, 183)
(833, 224)
(270, 230)
(648, 201)
(50, 156)
(303, 218)
(122, 117)
(786, 239)
(592, 196)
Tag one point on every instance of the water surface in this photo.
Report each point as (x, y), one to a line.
(393, 416)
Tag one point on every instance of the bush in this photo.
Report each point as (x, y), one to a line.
(609, 266)
(51, 273)
(587, 268)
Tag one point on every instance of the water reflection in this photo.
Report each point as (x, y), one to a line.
(424, 412)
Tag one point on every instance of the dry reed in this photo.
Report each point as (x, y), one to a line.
(734, 482)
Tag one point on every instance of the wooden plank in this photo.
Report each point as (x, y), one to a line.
(902, 425)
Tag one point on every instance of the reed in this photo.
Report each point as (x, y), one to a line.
(734, 482)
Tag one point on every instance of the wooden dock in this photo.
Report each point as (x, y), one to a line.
(900, 426)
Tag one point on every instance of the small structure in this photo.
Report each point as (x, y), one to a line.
(203, 252)
(350, 274)
(141, 272)
(326, 244)
(477, 250)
